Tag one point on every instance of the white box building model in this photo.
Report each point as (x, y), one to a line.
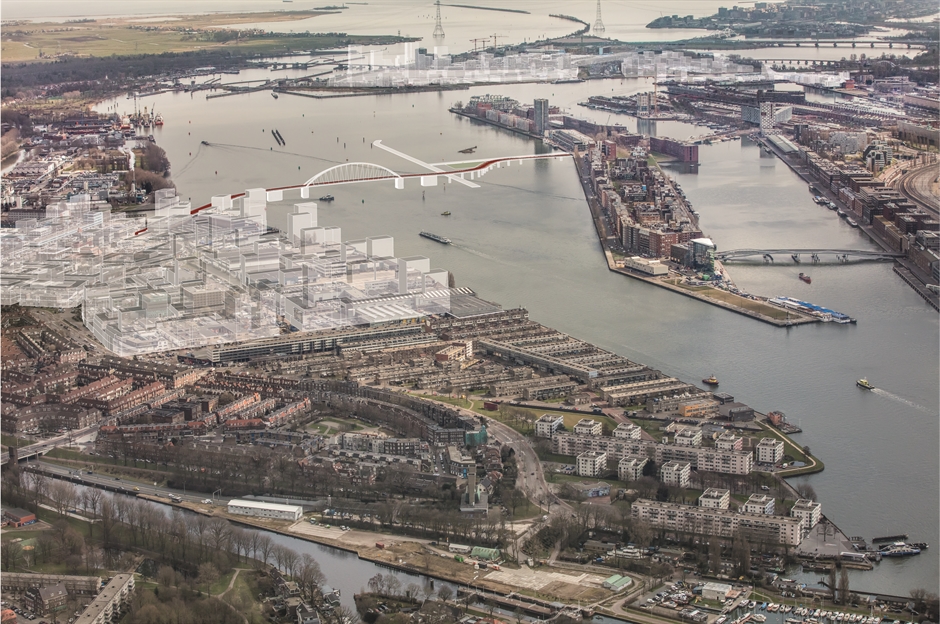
(230, 273)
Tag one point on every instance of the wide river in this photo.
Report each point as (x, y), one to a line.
(525, 238)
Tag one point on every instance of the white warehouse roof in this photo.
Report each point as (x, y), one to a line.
(238, 502)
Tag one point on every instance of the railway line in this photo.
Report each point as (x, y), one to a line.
(916, 186)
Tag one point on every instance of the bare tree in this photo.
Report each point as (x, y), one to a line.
(445, 593)
(805, 490)
(844, 586)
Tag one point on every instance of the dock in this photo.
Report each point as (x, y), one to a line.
(506, 602)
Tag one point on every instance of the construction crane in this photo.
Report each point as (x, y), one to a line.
(484, 40)
(494, 39)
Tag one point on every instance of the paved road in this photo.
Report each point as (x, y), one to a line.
(108, 481)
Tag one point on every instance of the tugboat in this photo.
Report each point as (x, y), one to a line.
(711, 381)
(806, 278)
(863, 383)
(446, 213)
(327, 198)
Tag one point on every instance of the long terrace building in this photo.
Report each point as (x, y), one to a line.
(718, 522)
(707, 459)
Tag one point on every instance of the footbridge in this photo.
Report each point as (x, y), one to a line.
(462, 172)
(814, 256)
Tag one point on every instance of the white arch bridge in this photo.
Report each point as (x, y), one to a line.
(812, 255)
(462, 172)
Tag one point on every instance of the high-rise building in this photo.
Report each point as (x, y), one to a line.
(541, 116)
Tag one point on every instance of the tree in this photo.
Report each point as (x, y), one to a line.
(208, 574)
(12, 554)
(844, 586)
(445, 593)
(805, 490)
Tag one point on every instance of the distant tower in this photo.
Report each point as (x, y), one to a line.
(599, 23)
(438, 29)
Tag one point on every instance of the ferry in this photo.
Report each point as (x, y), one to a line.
(863, 383)
(900, 549)
(806, 278)
(710, 381)
(434, 237)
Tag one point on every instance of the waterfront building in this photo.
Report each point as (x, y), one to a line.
(723, 523)
(262, 509)
(716, 591)
(548, 424)
(769, 451)
(592, 464)
(760, 504)
(587, 426)
(571, 140)
(808, 512)
(676, 474)
(631, 469)
(715, 498)
(646, 266)
(541, 116)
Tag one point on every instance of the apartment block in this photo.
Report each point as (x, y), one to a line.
(715, 498)
(628, 431)
(808, 512)
(688, 436)
(592, 464)
(548, 424)
(676, 474)
(586, 426)
(631, 469)
(760, 504)
(727, 441)
(769, 451)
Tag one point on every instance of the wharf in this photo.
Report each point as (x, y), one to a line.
(457, 111)
(506, 602)
(604, 237)
(903, 267)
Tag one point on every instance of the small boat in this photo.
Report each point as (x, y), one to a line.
(158, 120)
(205, 142)
(274, 95)
(795, 257)
(710, 381)
(758, 617)
(863, 383)
(469, 150)
(327, 198)
(806, 278)
(852, 222)
(446, 213)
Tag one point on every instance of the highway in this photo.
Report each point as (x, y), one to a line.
(917, 186)
(116, 484)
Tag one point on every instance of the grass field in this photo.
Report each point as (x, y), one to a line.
(32, 41)
(735, 300)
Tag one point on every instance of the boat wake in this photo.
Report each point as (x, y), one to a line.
(899, 399)
(479, 254)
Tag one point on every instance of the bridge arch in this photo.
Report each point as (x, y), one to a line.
(349, 173)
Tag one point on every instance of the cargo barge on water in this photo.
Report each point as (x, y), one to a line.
(434, 237)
